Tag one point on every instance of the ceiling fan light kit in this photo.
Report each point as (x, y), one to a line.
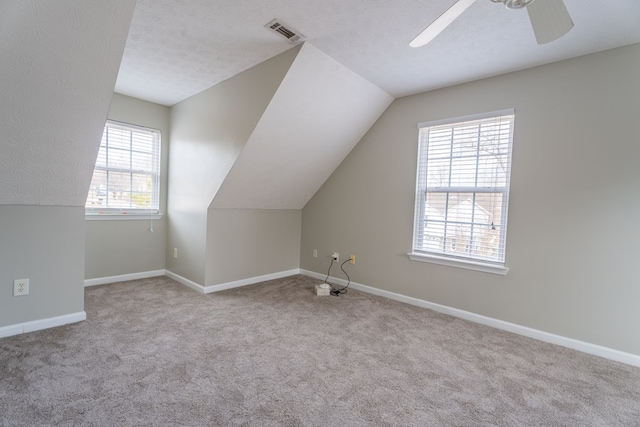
(514, 4)
(550, 19)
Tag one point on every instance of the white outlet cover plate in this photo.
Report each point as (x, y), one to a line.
(20, 287)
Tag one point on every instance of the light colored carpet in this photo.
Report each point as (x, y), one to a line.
(153, 352)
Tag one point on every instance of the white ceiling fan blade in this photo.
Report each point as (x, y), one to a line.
(441, 23)
(550, 20)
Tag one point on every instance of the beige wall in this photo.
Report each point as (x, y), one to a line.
(245, 243)
(208, 132)
(45, 245)
(574, 208)
(118, 247)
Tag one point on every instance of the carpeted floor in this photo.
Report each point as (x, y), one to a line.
(153, 352)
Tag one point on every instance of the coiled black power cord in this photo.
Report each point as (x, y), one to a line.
(336, 292)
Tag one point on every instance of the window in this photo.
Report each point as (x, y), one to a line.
(462, 191)
(126, 178)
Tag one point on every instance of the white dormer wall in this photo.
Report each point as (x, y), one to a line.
(318, 114)
(208, 131)
(59, 66)
(246, 155)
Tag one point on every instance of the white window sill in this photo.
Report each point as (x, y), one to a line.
(120, 216)
(459, 263)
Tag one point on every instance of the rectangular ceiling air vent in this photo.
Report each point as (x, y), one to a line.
(278, 27)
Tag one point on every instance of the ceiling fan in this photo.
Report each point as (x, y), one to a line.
(549, 18)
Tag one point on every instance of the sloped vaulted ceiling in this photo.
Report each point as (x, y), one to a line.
(60, 60)
(318, 114)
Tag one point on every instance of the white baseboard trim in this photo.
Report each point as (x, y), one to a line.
(230, 285)
(585, 347)
(250, 281)
(36, 325)
(188, 283)
(123, 278)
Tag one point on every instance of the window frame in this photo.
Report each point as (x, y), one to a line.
(448, 259)
(113, 213)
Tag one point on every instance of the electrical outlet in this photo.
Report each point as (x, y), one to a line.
(352, 259)
(315, 253)
(175, 252)
(20, 287)
(335, 256)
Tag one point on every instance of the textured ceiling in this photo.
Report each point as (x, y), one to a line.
(177, 48)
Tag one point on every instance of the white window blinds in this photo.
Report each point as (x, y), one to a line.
(462, 187)
(127, 172)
